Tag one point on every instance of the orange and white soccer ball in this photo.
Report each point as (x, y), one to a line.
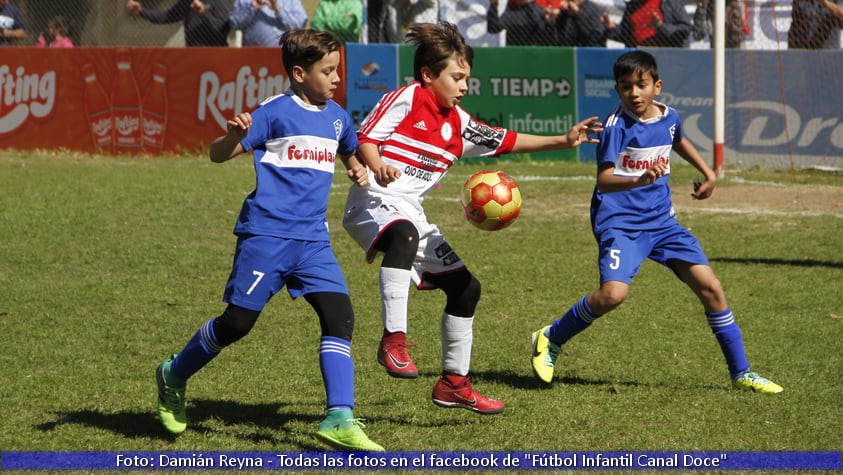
(491, 200)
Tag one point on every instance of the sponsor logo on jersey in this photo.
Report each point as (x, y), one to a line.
(635, 161)
(301, 152)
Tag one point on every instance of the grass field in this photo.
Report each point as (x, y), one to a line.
(110, 264)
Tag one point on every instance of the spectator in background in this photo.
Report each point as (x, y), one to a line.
(56, 35)
(815, 24)
(342, 18)
(527, 22)
(580, 23)
(205, 21)
(737, 21)
(661, 23)
(264, 21)
(390, 19)
(12, 27)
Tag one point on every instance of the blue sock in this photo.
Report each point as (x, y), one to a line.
(198, 352)
(728, 334)
(337, 372)
(576, 319)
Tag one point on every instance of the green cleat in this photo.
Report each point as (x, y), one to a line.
(342, 431)
(545, 353)
(170, 400)
(756, 383)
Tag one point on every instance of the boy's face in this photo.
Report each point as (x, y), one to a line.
(318, 83)
(637, 91)
(451, 84)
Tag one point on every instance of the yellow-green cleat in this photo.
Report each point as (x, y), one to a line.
(171, 406)
(756, 383)
(545, 353)
(344, 432)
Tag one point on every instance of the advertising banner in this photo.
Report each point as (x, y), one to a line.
(794, 113)
(131, 100)
(596, 94)
(787, 118)
(372, 70)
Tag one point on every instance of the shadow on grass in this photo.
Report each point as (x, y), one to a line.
(779, 262)
(133, 424)
(521, 381)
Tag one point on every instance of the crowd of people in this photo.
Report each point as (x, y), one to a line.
(815, 24)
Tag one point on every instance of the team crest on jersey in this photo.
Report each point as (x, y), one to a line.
(446, 132)
(338, 128)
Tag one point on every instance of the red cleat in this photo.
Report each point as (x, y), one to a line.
(453, 390)
(392, 354)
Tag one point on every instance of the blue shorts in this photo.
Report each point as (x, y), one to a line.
(263, 265)
(622, 252)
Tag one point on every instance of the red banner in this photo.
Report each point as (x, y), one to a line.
(131, 100)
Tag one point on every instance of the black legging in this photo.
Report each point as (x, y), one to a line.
(400, 243)
(336, 318)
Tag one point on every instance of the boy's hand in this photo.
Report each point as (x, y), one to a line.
(652, 174)
(386, 174)
(579, 133)
(238, 127)
(358, 174)
(703, 189)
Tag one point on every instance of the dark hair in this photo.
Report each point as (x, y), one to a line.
(435, 43)
(636, 62)
(59, 23)
(300, 47)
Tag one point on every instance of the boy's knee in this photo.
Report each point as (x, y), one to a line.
(608, 298)
(463, 293)
(234, 323)
(399, 243)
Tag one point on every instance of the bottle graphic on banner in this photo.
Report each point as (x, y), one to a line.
(154, 113)
(125, 105)
(97, 110)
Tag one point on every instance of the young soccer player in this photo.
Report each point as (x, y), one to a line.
(633, 219)
(409, 141)
(282, 235)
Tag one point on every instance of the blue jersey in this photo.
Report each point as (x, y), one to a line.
(294, 146)
(632, 146)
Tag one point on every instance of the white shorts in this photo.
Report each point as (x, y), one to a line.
(368, 215)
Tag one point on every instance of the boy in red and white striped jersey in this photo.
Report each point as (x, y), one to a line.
(409, 141)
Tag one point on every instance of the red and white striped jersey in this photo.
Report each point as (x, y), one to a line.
(422, 139)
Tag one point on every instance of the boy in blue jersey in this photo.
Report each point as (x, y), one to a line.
(282, 233)
(633, 220)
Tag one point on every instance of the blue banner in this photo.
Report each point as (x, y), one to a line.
(595, 87)
(462, 461)
(371, 71)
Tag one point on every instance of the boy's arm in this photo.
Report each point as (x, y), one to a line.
(576, 136)
(608, 182)
(228, 145)
(355, 170)
(686, 150)
(369, 154)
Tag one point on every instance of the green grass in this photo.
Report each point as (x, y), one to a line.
(109, 264)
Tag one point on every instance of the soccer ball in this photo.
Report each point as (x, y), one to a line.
(491, 200)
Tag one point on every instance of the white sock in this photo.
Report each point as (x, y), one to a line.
(457, 337)
(395, 291)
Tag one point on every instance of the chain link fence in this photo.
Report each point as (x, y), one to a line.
(750, 24)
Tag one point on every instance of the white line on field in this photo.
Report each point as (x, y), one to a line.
(762, 212)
